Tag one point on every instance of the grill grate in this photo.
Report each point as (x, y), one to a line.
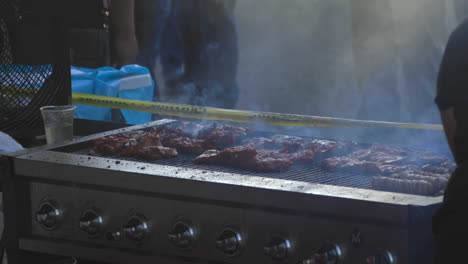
(309, 173)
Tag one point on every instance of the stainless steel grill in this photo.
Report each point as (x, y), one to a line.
(172, 211)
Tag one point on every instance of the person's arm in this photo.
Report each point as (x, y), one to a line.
(450, 125)
(123, 32)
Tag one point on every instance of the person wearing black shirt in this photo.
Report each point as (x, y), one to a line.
(202, 37)
(450, 223)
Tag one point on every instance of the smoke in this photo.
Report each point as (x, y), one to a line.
(357, 59)
(364, 59)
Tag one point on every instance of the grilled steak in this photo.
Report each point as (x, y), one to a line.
(289, 144)
(220, 137)
(298, 157)
(376, 156)
(418, 187)
(149, 152)
(184, 144)
(350, 165)
(144, 145)
(108, 145)
(261, 143)
(327, 148)
(244, 158)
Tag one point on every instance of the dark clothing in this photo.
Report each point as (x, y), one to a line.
(206, 35)
(150, 20)
(450, 223)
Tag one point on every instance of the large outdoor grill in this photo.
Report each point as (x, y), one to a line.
(113, 210)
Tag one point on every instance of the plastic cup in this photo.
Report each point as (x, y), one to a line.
(58, 123)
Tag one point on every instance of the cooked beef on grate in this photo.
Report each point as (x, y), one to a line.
(298, 157)
(179, 138)
(389, 150)
(108, 145)
(439, 181)
(169, 132)
(348, 164)
(412, 183)
(222, 136)
(144, 145)
(323, 148)
(149, 152)
(418, 187)
(435, 169)
(376, 156)
(386, 169)
(261, 143)
(420, 158)
(184, 144)
(288, 144)
(244, 158)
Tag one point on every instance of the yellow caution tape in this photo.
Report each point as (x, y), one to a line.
(18, 91)
(211, 113)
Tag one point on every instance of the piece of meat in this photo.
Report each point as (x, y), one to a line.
(423, 158)
(298, 157)
(439, 182)
(244, 158)
(435, 169)
(110, 145)
(449, 164)
(376, 156)
(350, 165)
(386, 169)
(420, 158)
(211, 156)
(273, 165)
(418, 187)
(327, 148)
(223, 137)
(288, 144)
(261, 143)
(389, 150)
(170, 132)
(301, 157)
(150, 152)
(184, 144)
(148, 140)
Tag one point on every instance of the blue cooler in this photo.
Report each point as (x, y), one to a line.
(130, 82)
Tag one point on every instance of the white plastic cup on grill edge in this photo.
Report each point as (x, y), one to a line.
(58, 123)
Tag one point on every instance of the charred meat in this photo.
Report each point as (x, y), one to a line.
(244, 158)
(220, 137)
(327, 148)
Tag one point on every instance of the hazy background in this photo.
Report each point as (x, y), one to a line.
(371, 59)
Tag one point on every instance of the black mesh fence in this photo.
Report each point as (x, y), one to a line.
(30, 76)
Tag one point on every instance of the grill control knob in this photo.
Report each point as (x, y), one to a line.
(136, 229)
(382, 257)
(278, 248)
(327, 254)
(182, 235)
(48, 215)
(230, 242)
(91, 222)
